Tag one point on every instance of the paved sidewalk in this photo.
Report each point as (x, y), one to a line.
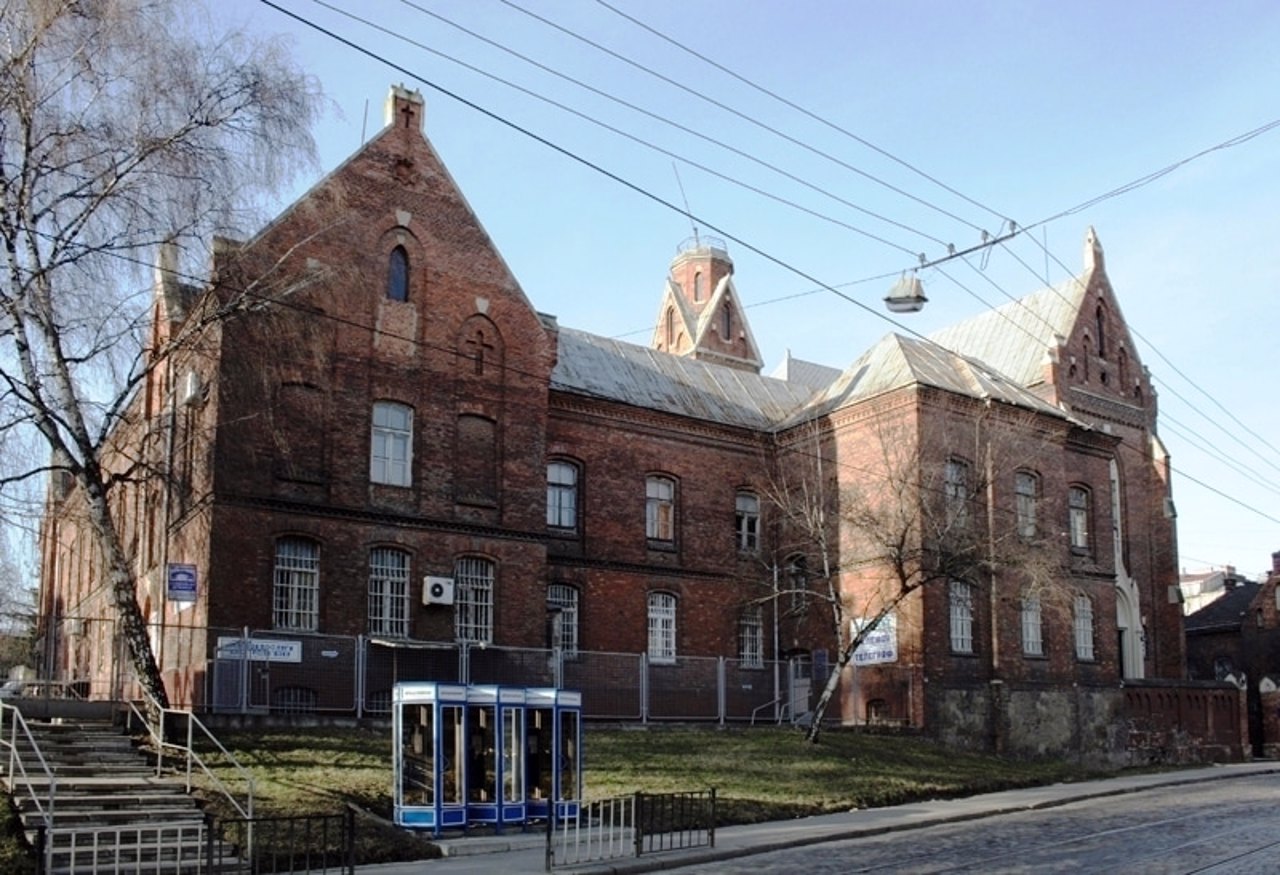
(524, 853)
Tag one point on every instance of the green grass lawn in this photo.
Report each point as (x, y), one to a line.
(759, 773)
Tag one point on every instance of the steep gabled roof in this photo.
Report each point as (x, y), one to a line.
(601, 367)
(1014, 339)
(896, 362)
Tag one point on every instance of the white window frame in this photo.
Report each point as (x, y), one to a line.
(562, 495)
(389, 592)
(564, 598)
(1026, 489)
(751, 637)
(391, 444)
(473, 578)
(1032, 626)
(662, 628)
(1083, 625)
(660, 508)
(956, 491)
(960, 601)
(747, 522)
(1078, 500)
(295, 595)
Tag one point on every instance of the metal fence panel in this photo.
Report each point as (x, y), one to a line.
(513, 666)
(268, 671)
(387, 662)
(610, 684)
(754, 692)
(685, 690)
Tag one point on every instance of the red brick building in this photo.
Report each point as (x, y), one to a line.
(370, 431)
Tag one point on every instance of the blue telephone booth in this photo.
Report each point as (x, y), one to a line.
(484, 754)
(553, 738)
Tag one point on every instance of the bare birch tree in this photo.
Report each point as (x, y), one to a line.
(901, 520)
(123, 124)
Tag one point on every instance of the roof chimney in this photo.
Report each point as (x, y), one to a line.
(1275, 562)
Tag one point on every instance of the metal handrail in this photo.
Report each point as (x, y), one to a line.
(10, 740)
(782, 712)
(189, 753)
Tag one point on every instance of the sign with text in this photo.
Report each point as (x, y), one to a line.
(259, 649)
(181, 582)
(880, 644)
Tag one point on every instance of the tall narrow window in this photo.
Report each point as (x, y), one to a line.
(747, 522)
(296, 590)
(671, 328)
(751, 637)
(1084, 627)
(797, 572)
(1026, 487)
(726, 321)
(562, 605)
(389, 592)
(956, 492)
(1078, 517)
(562, 496)
(662, 627)
(390, 453)
(1100, 317)
(698, 290)
(398, 275)
(660, 509)
(473, 600)
(1032, 638)
(961, 603)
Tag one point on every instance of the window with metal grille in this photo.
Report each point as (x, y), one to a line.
(562, 599)
(1032, 639)
(660, 509)
(1026, 488)
(961, 597)
(562, 496)
(747, 522)
(294, 700)
(473, 600)
(296, 589)
(1084, 627)
(662, 627)
(391, 449)
(1078, 514)
(751, 637)
(389, 592)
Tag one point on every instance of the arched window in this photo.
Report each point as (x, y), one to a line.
(562, 606)
(671, 328)
(295, 596)
(1026, 487)
(562, 495)
(1100, 317)
(662, 627)
(726, 321)
(398, 275)
(751, 637)
(1078, 518)
(1084, 627)
(389, 592)
(698, 290)
(473, 600)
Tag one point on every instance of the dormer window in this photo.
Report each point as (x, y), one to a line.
(398, 275)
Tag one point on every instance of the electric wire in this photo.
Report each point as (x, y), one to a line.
(654, 116)
(800, 109)
(657, 199)
(738, 114)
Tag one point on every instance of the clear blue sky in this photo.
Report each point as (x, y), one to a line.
(1026, 108)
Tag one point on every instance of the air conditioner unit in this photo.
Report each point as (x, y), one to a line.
(437, 590)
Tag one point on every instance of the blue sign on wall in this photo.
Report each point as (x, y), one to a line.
(182, 582)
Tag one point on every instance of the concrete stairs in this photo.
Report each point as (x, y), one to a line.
(111, 812)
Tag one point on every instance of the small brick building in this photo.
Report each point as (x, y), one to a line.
(368, 429)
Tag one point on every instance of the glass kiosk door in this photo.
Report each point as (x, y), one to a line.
(429, 721)
(553, 739)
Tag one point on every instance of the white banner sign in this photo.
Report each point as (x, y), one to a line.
(880, 644)
(260, 649)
